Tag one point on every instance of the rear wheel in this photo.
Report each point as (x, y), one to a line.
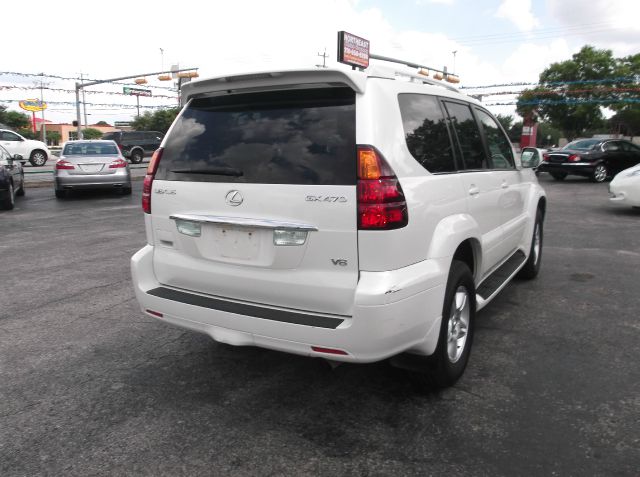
(38, 158)
(600, 173)
(10, 200)
(447, 364)
(136, 156)
(559, 176)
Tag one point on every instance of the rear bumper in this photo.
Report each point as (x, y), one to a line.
(393, 312)
(90, 181)
(568, 167)
(623, 191)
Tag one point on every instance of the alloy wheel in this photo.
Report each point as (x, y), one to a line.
(458, 325)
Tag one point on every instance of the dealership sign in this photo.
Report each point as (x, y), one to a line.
(33, 105)
(353, 50)
(136, 91)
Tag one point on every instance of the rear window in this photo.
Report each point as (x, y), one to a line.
(89, 149)
(284, 137)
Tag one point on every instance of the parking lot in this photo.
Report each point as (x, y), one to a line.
(91, 386)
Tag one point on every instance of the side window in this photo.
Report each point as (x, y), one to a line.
(630, 147)
(9, 136)
(611, 146)
(468, 135)
(425, 131)
(4, 156)
(499, 144)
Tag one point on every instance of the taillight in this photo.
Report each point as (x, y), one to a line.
(117, 164)
(574, 158)
(381, 202)
(148, 180)
(64, 165)
(545, 157)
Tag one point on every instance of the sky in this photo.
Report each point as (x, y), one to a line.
(495, 42)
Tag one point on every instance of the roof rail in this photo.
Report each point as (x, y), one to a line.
(419, 77)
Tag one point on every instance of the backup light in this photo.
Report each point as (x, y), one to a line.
(289, 237)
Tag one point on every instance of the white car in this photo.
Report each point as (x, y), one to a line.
(348, 215)
(625, 187)
(36, 152)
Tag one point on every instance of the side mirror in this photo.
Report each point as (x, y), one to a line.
(18, 157)
(10, 161)
(529, 159)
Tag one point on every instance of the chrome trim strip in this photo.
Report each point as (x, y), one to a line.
(244, 222)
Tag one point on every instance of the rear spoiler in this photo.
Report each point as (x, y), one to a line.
(356, 80)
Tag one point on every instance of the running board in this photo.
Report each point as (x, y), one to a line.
(499, 277)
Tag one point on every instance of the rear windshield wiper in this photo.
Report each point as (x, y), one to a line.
(214, 171)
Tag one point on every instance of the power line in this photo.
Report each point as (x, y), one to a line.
(537, 31)
(628, 79)
(14, 73)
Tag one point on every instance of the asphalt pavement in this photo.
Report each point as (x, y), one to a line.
(91, 386)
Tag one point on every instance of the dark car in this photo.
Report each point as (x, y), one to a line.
(11, 178)
(135, 145)
(597, 159)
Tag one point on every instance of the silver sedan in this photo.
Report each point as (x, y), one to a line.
(91, 165)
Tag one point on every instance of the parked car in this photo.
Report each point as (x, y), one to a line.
(322, 212)
(597, 159)
(93, 164)
(135, 145)
(625, 187)
(11, 178)
(36, 151)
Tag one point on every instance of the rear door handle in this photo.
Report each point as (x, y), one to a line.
(505, 185)
(473, 190)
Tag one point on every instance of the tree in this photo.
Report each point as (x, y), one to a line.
(91, 133)
(14, 119)
(102, 123)
(53, 137)
(514, 130)
(157, 121)
(568, 92)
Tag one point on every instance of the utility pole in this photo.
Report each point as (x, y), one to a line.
(324, 59)
(454, 61)
(43, 127)
(80, 86)
(84, 103)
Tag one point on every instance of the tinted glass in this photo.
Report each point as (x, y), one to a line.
(132, 136)
(290, 137)
(112, 136)
(4, 155)
(426, 132)
(583, 144)
(89, 149)
(627, 146)
(468, 135)
(612, 146)
(499, 145)
(9, 136)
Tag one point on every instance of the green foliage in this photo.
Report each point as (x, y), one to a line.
(557, 83)
(53, 137)
(29, 134)
(157, 121)
(91, 133)
(14, 119)
(102, 123)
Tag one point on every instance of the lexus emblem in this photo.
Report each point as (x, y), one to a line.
(234, 198)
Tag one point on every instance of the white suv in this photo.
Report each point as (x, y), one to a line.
(348, 215)
(36, 151)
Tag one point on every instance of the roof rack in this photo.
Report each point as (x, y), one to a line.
(417, 76)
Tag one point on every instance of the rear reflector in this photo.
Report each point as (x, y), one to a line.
(117, 164)
(148, 180)
(381, 202)
(155, 313)
(318, 349)
(574, 158)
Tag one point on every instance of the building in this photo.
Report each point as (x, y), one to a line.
(68, 132)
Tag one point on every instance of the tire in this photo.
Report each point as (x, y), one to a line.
(600, 173)
(447, 364)
(559, 176)
(136, 156)
(9, 202)
(60, 193)
(20, 192)
(38, 158)
(532, 266)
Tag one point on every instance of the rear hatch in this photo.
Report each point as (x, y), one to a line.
(254, 199)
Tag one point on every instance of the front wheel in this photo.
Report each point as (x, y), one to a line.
(21, 191)
(600, 173)
(38, 158)
(10, 200)
(532, 267)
